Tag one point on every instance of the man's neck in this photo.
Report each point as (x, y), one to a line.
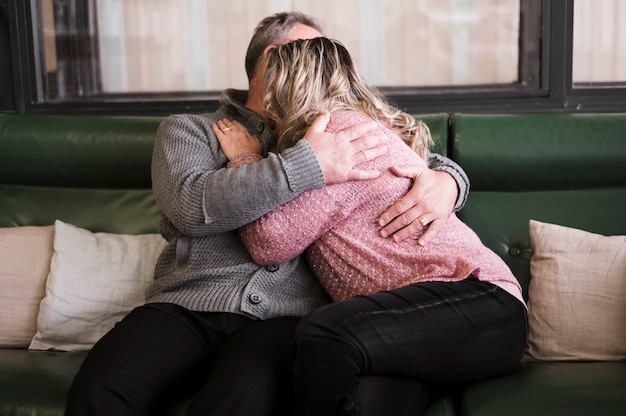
(255, 97)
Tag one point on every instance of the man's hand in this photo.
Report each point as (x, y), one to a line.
(235, 139)
(338, 153)
(427, 205)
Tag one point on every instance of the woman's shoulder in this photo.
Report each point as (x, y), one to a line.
(342, 119)
(399, 152)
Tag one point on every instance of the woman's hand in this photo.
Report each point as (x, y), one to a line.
(235, 139)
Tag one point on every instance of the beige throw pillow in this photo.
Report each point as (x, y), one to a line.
(95, 280)
(577, 294)
(24, 265)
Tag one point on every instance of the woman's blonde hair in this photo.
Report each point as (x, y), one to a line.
(305, 77)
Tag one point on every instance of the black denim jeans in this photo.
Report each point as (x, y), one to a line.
(161, 353)
(435, 333)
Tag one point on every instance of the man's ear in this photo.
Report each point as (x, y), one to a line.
(267, 48)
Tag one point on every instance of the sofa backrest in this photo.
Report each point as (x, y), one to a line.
(93, 172)
(566, 169)
(439, 130)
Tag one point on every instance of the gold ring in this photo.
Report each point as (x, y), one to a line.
(226, 129)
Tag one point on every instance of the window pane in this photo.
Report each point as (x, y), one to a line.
(199, 45)
(599, 54)
(427, 42)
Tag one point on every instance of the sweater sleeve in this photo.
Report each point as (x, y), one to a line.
(287, 231)
(442, 163)
(199, 196)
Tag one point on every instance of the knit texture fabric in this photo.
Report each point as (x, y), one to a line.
(205, 267)
(336, 226)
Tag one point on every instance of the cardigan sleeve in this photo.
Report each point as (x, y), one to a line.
(199, 196)
(444, 164)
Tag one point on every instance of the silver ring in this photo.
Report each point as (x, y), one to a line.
(226, 129)
(424, 222)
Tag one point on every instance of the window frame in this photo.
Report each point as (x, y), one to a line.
(551, 92)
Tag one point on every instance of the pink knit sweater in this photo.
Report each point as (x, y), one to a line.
(336, 227)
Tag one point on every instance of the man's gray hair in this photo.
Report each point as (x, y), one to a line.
(275, 30)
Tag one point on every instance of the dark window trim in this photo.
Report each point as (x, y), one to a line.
(7, 95)
(22, 61)
(555, 93)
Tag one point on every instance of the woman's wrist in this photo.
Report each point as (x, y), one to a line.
(244, 159)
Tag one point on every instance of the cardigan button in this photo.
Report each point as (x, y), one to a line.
(255, 298)
(272, 268)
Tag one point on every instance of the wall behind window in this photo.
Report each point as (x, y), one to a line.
(199, 45)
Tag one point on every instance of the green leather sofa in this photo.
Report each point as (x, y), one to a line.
(94, 172)
(562, 169)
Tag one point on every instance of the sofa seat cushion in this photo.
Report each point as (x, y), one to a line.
(36, 382)
(377, 392)
(551, 388)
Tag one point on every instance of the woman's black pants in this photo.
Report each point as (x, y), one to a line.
(435, 333)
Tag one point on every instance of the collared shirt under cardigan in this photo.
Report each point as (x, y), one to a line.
(205, 266)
